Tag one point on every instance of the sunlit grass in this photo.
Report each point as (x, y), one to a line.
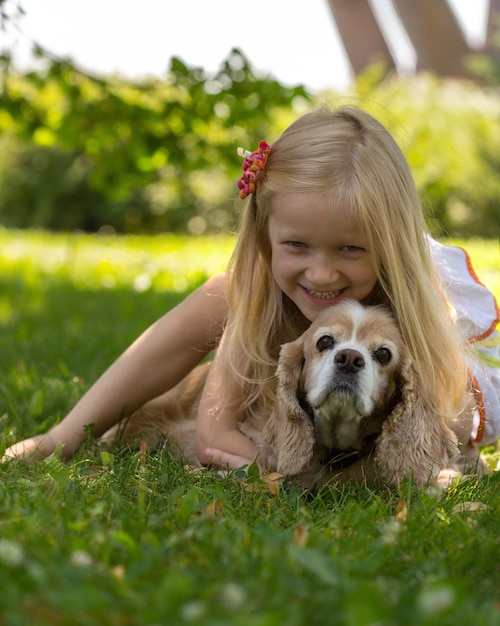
(115, 539)
(162, 262)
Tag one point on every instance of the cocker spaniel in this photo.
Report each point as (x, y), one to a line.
(347, 406)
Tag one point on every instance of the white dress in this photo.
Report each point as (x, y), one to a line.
(478, 317)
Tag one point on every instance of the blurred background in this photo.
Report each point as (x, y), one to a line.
(120, 118)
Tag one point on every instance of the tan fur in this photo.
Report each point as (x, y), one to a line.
(296, 438)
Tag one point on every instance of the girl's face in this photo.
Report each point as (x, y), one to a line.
(319, 254)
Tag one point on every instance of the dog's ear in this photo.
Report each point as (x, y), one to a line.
(289, 430)
(413, 439)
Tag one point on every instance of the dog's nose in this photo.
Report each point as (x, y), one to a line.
(349, 361)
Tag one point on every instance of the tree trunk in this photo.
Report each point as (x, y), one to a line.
(492, 46)
(439, 42)
(363, 41)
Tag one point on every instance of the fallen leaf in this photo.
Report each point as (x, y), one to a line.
(273, 481)
(301, 535)
(214, 508)
(274, 476)
(143, 447)
(466, 507)
(267, 482)
(401, 511)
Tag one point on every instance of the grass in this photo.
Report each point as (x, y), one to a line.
(134, 539)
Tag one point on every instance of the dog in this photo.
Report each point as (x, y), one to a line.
(347, 407)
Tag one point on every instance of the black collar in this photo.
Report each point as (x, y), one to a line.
(337, 459)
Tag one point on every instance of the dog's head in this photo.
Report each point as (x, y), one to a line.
(349, 380)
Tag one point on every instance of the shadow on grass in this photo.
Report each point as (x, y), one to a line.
(57, 339)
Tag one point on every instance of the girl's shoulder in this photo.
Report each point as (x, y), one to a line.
(476, 308)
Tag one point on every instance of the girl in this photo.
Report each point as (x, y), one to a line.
(333, 212)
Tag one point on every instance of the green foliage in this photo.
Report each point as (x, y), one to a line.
(133, 538)
(449, 131)
(156, 155)
(47, 186)
(79, 151)
(487, 66)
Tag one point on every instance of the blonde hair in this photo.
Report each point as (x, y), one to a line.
(351, 158)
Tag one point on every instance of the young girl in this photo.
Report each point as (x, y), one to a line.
(332, 212)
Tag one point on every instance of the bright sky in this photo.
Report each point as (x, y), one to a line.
(293, 40)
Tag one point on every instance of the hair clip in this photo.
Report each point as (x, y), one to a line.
(253, 166)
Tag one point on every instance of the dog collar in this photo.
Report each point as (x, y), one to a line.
(338, 459)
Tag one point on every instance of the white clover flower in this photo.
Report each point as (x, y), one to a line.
(194, 610)
(232, 596)
(435, 600)
(11, 553)
(81, 558)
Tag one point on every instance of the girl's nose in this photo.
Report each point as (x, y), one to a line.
(322, 272)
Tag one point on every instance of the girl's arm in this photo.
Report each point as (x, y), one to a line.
(218, 439)
(155, 362)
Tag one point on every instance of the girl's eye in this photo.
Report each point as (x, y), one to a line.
(352, 249)
(297, 244)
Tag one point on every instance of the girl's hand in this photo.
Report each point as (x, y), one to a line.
(30, 450)
(219, 459)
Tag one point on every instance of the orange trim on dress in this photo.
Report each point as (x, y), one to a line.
(480, 408)
(475, 277)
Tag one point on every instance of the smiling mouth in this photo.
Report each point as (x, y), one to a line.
(324, 295)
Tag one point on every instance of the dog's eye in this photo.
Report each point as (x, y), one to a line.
(325, 342)
(382, 355)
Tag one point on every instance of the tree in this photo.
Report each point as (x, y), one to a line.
(431, 25)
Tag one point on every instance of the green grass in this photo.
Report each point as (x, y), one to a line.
(132, 539)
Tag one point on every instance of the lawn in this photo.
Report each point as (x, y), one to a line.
(134, 539)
